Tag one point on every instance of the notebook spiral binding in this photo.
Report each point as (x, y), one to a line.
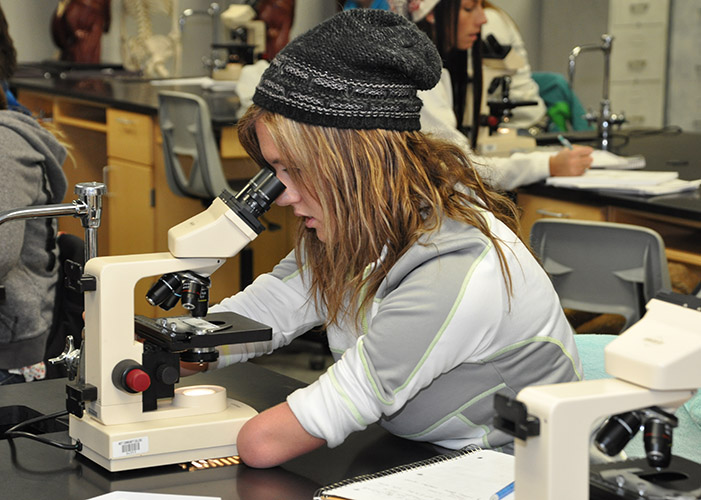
(472, 448)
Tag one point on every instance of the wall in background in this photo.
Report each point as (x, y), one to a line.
(566, 24)
(550, 29)
(30, 28)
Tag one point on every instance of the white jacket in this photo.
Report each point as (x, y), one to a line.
(438, 118)
(442, 336)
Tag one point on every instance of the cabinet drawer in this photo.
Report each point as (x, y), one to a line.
(637, 54)
(539, 207)
(638, 11)
(130, 136)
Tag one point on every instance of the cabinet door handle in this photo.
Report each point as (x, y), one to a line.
(637, 64)
(124, 121)
(549, 213)
(106, 178)
(639, 8)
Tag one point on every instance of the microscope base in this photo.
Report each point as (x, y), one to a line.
(161, 442)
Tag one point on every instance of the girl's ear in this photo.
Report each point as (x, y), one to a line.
(431, 18)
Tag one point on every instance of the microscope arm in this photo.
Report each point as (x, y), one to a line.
(555, 464)
(655, 363)
(200, 245)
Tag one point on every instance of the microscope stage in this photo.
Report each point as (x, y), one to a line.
(182, 333)
(635, 479)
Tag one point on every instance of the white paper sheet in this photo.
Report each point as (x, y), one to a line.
(135, 495)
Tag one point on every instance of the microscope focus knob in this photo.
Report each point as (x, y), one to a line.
(167, 374)
(137, 380)
(130, 376)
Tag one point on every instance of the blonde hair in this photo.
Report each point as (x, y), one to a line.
(380, 191)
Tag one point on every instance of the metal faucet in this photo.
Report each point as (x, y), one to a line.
(604, 119)
(89, 208)
(214, 12)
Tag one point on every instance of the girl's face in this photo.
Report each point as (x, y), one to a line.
(297, 197)
(470, 21)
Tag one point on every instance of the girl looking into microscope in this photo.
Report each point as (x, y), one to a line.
(430, 300)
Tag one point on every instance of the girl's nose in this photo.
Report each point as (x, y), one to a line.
(481, 17)
(288, 196)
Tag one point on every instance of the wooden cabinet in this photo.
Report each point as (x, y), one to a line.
(130, 191)
(682, 237)
(130, 182)
(539, 207)
(123, 149)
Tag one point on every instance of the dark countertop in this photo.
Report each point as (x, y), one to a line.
(664, 150)
(124, 91)
(36, 471)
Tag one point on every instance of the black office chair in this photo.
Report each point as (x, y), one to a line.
(68, 306)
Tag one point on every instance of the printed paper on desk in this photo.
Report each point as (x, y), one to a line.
(670, 187)
(598, 179)
(134, 495)
(606, 159)
(474, 475)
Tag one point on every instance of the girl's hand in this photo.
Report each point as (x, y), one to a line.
(187, 368)
(571, 162)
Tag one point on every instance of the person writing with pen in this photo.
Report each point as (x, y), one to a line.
(430, 300)
(454, 104)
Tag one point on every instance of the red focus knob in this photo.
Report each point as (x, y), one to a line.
(492, 121)
(137, 380)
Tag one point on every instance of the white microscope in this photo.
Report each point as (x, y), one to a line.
(495, 137)
(124, 409)
(655, 363)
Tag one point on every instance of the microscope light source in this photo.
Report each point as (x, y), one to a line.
(193, 392)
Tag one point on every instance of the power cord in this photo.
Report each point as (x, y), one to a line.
(15, 432)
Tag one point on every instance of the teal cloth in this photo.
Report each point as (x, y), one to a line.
(557, 94)
(686, 439)
(376, 4)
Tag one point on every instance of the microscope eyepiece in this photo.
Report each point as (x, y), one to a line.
(261, 191)
(255, 198)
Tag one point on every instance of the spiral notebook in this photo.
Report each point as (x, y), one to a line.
(469, 474)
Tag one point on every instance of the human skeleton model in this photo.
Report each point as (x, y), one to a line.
(146, 51)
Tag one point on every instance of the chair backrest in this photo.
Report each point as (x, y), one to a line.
(602, 267)
(187, 132)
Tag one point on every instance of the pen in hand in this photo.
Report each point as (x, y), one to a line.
(564, 141)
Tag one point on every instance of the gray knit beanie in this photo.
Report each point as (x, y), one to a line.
(360, 69)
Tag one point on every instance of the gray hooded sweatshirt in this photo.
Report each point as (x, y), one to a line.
(30, 174)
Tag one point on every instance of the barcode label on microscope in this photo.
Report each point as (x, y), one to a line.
(129, 447)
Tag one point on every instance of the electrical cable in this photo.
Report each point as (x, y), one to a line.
(14, 432)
